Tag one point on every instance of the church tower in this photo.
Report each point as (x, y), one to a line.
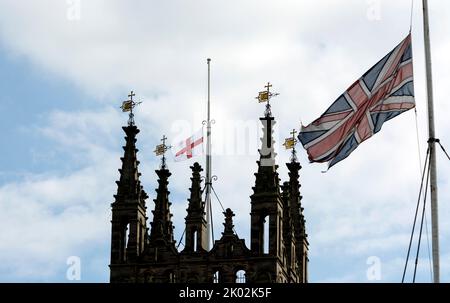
(267, 206)
(128, 211)
(278, 248)
(161, 249)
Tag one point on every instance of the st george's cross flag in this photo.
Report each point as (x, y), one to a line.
(191, 147)
(384, 92)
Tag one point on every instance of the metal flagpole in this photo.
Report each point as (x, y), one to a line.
(432, 146)
(208, 165)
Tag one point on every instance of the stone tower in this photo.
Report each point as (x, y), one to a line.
(278, 241)
(129, 222)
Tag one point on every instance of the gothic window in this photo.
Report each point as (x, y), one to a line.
(195, 240)
(125, 236)
(216, 277)
(240, 276)
(170, 277)
(266, 235)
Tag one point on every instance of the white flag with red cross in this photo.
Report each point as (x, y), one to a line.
(191, 147)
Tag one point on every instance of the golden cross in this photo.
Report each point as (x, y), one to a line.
(293, 133)
(128, 106)
(131, 95)
(164, 138)
(161, 149)
(265, 96)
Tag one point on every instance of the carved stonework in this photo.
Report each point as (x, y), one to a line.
(143, 255)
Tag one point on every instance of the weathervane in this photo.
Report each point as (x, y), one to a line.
(160, 150)
(265, 96)
(290, 143)
(127, 106)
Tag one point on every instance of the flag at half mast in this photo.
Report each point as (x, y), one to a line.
(384, 92)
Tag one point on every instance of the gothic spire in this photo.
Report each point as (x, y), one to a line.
(288, 226)
(298, 219)
(161, 226)
(295, 197)
(267, 179)
(195, 208)
(287, 217)
(196, 229)
(128, 210)
(129, 186)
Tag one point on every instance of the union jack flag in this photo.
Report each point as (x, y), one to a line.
(384, 92)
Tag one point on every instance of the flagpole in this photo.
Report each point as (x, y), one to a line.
(432, 146)
(208, 164)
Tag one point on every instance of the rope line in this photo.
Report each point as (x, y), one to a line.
(428, 247)
(415, 216)
(421, 224)
(443, 149)
(221, 205)
(181, 239)
(418, 140)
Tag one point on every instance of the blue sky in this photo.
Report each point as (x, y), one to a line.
(64, 69)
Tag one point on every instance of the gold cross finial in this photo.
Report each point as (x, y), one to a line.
(127, 106)
(131, 95)
(161, 149)
(265, 96)
(290, 143)
(164, 138)
(293, 133)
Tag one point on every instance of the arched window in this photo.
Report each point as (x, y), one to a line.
(195, 240)
(171, 277)
(125, 235)
(216, 277)
(266, 235)
(240, 276)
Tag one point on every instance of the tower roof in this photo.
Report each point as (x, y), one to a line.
(129, 188)
(267, 179)
(161, 226)
(195, 207)
(295, 199)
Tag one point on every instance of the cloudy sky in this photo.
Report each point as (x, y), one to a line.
(65, 67)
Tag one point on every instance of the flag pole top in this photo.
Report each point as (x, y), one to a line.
(290, 143)
(160, 150)
(265, 96)
(128, 106)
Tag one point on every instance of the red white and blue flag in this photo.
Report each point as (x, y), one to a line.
(191, 147)
(384, 92)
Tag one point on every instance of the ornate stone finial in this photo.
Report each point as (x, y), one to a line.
(195, 200)
(160, 150)
(290, 143)
(265, 96)
(127, 106)
(161, 226)
(229, 226)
